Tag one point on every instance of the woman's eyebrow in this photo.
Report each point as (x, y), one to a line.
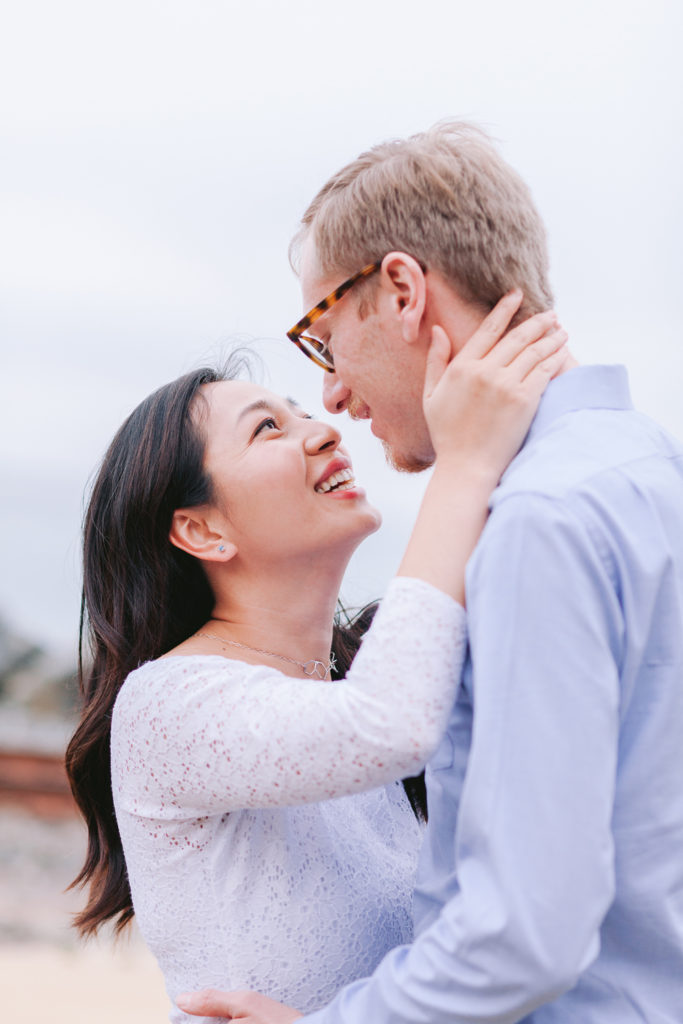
(260, 403)
(264, 404)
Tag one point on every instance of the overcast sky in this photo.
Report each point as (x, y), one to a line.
(155, 158)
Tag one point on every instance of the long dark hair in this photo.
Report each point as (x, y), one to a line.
(142, 596)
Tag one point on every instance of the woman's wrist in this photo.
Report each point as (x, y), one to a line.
(467, 472)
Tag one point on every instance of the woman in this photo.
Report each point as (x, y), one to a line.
(265, 843)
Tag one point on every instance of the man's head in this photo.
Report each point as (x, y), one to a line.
(453, 228)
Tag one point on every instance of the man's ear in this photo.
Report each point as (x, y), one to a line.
(192, 531)
(405, 280)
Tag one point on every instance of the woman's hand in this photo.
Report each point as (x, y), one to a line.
(478, 408)
(479, 405)
(251, 1007)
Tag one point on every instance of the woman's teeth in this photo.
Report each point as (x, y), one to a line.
(342, 480)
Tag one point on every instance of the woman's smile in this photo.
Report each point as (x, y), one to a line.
(338, 478)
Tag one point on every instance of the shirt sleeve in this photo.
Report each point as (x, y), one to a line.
(204, 735)
(532, 852)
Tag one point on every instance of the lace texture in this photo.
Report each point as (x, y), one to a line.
(266, 845)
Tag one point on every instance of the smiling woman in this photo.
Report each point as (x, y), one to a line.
(238, 800)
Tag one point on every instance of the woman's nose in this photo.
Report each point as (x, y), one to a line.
(322, 437)
(336, 395)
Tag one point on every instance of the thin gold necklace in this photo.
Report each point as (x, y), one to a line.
(313, 668)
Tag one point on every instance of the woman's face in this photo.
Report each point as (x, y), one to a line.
(282, 481)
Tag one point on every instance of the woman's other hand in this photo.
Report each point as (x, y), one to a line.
(251, 1007)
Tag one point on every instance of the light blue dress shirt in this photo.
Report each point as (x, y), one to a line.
(550, 887)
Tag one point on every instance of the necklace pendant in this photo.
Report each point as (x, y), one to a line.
(315, 669)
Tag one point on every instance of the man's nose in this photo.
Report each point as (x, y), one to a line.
(336, 395)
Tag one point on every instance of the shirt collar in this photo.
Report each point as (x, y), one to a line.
(584, 387)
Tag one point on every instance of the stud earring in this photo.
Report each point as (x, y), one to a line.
(221, 547)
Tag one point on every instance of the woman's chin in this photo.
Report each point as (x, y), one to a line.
(376, 519)
(371, 523)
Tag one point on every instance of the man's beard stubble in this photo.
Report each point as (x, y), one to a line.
(405, 463)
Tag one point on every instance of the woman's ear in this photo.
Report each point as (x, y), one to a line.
(191, 531)
(405, 280)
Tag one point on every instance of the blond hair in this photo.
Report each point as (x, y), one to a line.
(448, 199)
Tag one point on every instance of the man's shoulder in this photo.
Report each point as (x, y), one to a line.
(589, 450)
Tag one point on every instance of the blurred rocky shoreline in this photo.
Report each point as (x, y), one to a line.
(38, 695)
(41, 837)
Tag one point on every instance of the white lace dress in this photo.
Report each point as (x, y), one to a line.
(266, 845)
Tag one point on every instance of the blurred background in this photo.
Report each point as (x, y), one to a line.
(155, 158)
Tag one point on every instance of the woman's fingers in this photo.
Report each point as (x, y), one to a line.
(210, 1002)
(497, 343)
(535, 353)
(522, 336)
(493, 326)
(249, 1007)
(438, 358)
(537, 379)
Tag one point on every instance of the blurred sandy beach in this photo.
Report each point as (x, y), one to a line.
(48, 975)
(47, 984)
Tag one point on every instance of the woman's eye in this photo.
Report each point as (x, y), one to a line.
(267, 424)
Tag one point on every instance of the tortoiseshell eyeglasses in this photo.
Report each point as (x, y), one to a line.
(313, 347)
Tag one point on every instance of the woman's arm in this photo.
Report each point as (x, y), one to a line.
(195, 735)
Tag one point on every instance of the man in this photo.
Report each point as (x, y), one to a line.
(550, 887)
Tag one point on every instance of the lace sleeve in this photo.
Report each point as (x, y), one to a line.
(204, 734)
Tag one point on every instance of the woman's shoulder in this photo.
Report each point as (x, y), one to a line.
(165, 698)
(174, 663)
(189, 667)
(178, 679)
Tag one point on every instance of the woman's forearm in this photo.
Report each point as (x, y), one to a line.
(452, 515)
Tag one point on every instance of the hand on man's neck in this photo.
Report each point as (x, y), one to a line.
(460, 319)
